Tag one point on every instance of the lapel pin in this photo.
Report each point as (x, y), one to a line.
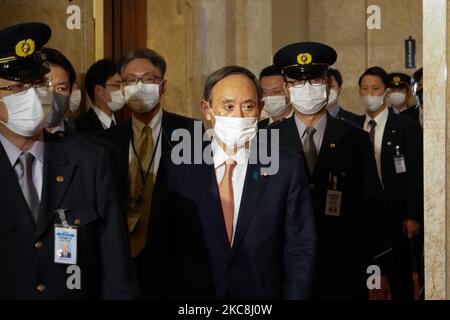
(393, 131)
(60, 179)
(389, 143)
(255, 175)
(77, 222)
(333, 145)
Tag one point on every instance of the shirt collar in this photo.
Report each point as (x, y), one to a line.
(319, 125)
(13, 153)
(220, 156)
(380, 119)
(155, 123)
(103, 117)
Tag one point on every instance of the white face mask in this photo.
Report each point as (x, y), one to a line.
(28, 111)
(373, 103)
(332, 98)
(235, 132)
(275, 105)
(75, 100)
(309, 99)
(397, 98)
(117, 101)
(142, 97)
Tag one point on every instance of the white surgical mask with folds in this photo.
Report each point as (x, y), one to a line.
(235, 131)
(332, 98)
(397, 98)
(117, 101)
(373, 103)
(28, 111)
(75, 100)
(142, 97)
(275, 105)
(309, 99)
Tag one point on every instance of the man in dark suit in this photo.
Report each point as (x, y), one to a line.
(352, 230)
(276, 99)
(416, 112)
(104, 88)
(47, 182)
(399, 85)
(333, 106)
(227, 227)
(139, 142)
(398, 153)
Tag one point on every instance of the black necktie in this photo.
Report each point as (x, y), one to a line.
(309, 148)
(372, 124)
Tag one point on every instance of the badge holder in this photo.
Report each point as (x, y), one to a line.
(399, 161)
(65, 240)
(333, 203)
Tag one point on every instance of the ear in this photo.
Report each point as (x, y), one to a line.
(3, 112)
(205, 108)
(99, 91)
(163, 87)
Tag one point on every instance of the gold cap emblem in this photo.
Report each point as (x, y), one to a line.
(396, 79)
(304, 58)
(25, 48)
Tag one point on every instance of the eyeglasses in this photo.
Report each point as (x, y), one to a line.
(20, 87)
(114, 87)
(301, 83)
(150, 79)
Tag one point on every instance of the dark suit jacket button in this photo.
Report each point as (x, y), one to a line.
(39, 245)
(40, 288)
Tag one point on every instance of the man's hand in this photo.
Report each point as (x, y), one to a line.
(384, 293)
(410, 228)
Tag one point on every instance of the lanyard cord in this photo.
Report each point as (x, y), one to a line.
(147, 172)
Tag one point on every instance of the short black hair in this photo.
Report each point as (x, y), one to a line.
(98, 74)
(417, 75)
(378, 72)
(224, 72)
(144, 53)
(336, 74)
(57, 58)
(270, 71)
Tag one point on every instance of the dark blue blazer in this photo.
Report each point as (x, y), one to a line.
(188, 255)
(76, 177)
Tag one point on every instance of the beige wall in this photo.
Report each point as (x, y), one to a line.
(77, 45)
(342, 24)
(199, 36)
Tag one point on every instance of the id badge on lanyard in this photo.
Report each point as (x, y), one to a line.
(399, 161)
(333, 202)
(65, 250)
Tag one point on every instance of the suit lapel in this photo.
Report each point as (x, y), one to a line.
(331, 136)
(166, 133)
(388, 141)
(12, 194)
(254, 186)
(58, 174)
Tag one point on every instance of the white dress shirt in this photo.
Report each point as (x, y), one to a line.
(37, 150)
(318, 135)
(105, 120)
(155, 125)
(238, 178)
(381, 120)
